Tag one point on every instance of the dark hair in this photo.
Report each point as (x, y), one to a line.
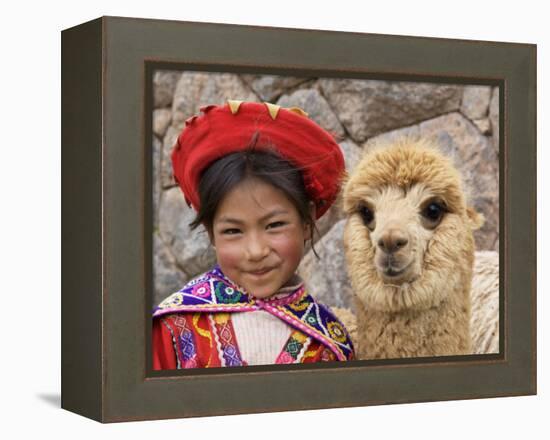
(267, 165)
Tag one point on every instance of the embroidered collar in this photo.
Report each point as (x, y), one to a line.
(212, 292)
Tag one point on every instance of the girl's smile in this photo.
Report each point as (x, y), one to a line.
(259, 237)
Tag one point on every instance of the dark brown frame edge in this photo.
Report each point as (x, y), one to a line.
(105, 274)
(82, 368)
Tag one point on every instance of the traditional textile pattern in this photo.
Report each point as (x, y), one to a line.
(213, 293)
(226, 340)
(316, 320)
(327, 355)
(294, 348)
(184, 342)
(201, 290)
(213, 343)
(205, 334)
(337, 331)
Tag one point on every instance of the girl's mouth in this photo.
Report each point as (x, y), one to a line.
(261, 272)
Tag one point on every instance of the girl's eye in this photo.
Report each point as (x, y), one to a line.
(231, 231)
(275, 225)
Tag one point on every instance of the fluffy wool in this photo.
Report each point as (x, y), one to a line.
(484, 323)
(429, 313)
(484, 296)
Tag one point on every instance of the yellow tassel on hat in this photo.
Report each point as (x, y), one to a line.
(273, 109)
(234, 105)
(298, 110)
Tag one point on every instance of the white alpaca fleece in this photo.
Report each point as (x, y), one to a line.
(484, 323)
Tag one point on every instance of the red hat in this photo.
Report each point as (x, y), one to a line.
(229, 128)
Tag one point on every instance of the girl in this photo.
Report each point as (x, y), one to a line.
(257, 175)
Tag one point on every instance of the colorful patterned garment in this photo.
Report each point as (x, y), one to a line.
(193, 328)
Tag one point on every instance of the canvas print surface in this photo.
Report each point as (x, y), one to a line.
(404, 263)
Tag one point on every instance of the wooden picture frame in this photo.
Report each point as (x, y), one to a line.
(107, 68)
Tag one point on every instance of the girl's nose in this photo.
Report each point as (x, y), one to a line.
(256, 248)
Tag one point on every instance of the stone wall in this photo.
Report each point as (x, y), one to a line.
(462, 119)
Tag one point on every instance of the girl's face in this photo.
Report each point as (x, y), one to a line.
(258, 237)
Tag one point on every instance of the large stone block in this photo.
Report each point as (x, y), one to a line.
(475, 102)
(197, 89)
(269, 88)
(164, 84)
(367, 108)
(166, 275)
(327, 278)
(317, 108)
(191, 248)
(161, 120)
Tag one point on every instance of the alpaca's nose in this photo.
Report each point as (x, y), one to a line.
(392, 240)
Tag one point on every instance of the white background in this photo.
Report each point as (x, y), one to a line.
(30, 172)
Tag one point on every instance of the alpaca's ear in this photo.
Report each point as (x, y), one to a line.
(476, 219)
(343, 183)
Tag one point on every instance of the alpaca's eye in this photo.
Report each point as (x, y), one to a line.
(433, 213)
(367, 215)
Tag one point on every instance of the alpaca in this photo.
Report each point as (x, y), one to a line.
(484, 323)
(484, 297)
(409, 249)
